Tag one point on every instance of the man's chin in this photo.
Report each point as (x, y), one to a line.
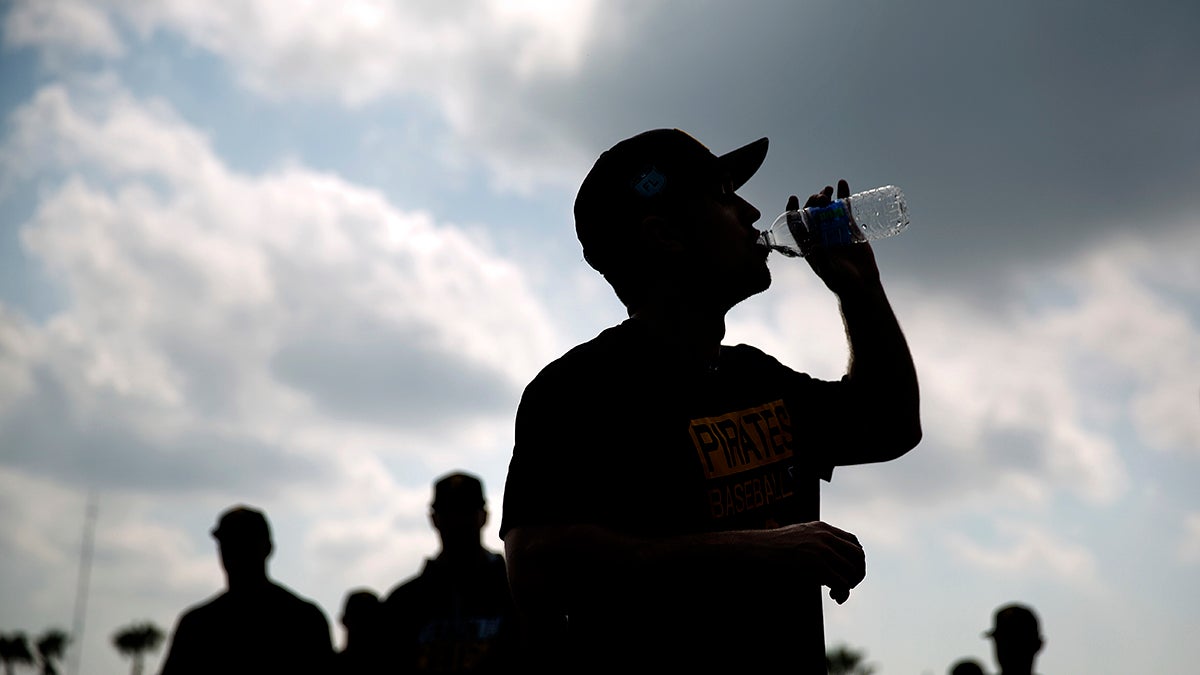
(762, 281)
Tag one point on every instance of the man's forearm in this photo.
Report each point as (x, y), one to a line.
(882, 372)
(554, 568)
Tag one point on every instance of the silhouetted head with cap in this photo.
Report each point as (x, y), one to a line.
(658, 213)
(1016, 638)
(966, 667)
(362, 617)
(244, 540)
(458, 513)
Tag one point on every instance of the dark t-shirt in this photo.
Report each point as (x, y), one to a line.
(444, 621)
(264, 630)
(620, 432)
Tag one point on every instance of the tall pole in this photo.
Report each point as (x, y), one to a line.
(81, 586)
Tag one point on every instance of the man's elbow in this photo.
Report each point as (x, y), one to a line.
(897, 442)
(531, 577)
(910, 439)
(908, 434)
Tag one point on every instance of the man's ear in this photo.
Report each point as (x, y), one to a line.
(662, 235)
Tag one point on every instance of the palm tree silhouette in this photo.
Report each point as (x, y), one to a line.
(50, 647)
(14, 651)
(843, 660)
(135, 640)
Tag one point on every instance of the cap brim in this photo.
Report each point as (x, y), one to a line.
(742, 163)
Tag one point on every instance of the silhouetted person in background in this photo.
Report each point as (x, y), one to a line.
(663, 494)
(1016, 638)
(362, 617)
(457, 616)
(966, 667)
(256, 626)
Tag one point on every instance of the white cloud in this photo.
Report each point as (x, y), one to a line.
(1032, 552)
(1142, 325)
(362, 49)
(262, 313)
(1189, 547)
(477, 62)
(62, 27)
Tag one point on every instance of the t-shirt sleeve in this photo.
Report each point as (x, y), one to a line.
(823, 415)
(554, 476)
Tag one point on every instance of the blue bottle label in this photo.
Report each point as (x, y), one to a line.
(829, 225)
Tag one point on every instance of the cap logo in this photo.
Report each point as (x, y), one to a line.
(650, 183)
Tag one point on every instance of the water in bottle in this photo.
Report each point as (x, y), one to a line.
(863, 216)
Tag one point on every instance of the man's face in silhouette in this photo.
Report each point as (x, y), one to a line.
(723, 259)
(243, 556)
(1015, 653)
(459, 526)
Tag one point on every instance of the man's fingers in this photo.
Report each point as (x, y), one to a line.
(822, 198)
(793, 203)
(846, 567)
(841, 534)
(839, 595)
(840, 562)
(843, 190)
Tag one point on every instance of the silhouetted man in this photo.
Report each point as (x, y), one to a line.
(457, 616)
(1016, 639)
(362, 617)
(256, 626)
(662, 498)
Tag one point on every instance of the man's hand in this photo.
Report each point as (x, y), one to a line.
(842, 268)
(826, 554)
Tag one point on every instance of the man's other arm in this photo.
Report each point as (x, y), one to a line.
(881, 374)
(553, 568)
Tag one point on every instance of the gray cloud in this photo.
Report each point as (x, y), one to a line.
(1019, 131)
(47, 434)
(392, 375)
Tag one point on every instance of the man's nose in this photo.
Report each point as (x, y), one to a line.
(750, 213)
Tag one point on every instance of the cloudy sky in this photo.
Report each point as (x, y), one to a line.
(306, 255)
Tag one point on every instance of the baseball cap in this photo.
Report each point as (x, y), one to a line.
(648, 172)
(457, 492)
(242, 523)
(1014, 621)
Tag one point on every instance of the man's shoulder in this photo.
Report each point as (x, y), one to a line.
(207, 609)
(287, 598)
(406, 589)
(584, 363)
(611, 349)
(749, 356)
(614, 341)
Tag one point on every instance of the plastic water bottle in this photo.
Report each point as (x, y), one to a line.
(864, 216)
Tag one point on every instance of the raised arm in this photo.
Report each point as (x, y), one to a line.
(881, 373)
